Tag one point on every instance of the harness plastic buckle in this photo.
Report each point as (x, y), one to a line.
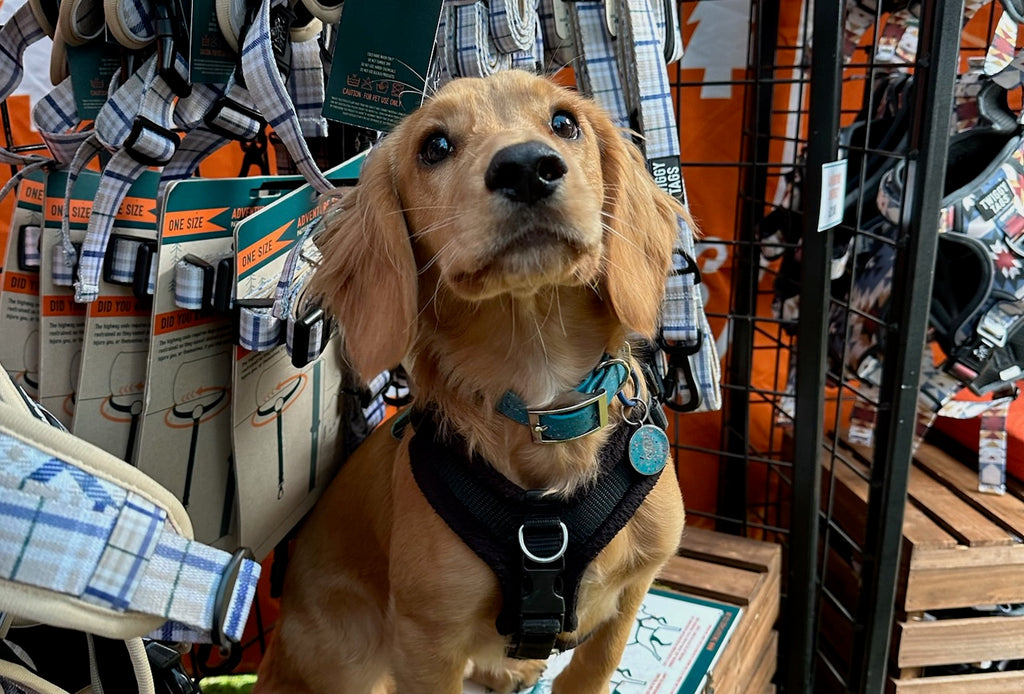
(142, 125)
(224, 286)
(222, 602)
(128, 273)
(991, 332)
(212, 119)
(145, 255)
(302, 336)
(166, 26)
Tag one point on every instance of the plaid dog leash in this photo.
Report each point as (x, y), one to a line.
(693, 381)
(99, 547)
(17, 34)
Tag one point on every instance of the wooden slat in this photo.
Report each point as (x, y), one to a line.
(963, 587)
(951, 641)
(732, 550)
(953, 514)
(964, 557)
(984, 683)
(714, 581)
(1005, 509)
(752, 634)
(851, 511)
(762, 676)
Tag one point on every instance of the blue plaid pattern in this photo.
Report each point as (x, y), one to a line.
(56, 117)
(306, 87)
(132, 23)
(122, 260)
(513, 25)
(63, 271)
(30, 245)
(67, 531)
(188, 285)
(597, 74)
(475, 52)
(17, 34)
(258, 329)
(271, 94)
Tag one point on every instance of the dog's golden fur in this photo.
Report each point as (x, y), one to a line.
(476, 295)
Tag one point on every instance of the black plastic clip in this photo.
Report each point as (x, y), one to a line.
(166, 24)
(302, 346)
(224, 286)
(142, 125)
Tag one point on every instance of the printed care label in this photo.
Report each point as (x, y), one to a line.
(833, 194)
(377, 74)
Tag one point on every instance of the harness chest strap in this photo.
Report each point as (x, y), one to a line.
(538, 546)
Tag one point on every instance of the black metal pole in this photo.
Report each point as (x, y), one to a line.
(808, 425)
(913, 273)
(732, 488)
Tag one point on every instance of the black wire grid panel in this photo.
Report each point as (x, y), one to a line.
(813, 93)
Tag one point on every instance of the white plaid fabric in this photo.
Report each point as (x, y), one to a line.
(132, 22)
(306, 87)
(266, 86)
(597, 73)
(16, 35)
(12, 183)
(513, 25)
(63, 271)
(56, 118)
(442, 66)
(475, 52)
(189, 283)
(121, 259)
(65, 530)
(156, 104)
(258, 329)
(29, 236)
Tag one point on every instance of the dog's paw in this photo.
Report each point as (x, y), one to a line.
(515, 676)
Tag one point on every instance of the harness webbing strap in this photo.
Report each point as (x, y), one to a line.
(262, 64)
(106, 545)
(56, 117)
(488, 512)
(476, 54)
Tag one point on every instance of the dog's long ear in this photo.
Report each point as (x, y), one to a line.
(368, 275)
(641, 224)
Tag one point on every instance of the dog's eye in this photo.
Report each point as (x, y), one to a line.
(436, 148)
(565, 126)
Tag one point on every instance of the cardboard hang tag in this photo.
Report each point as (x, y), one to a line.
(185, 433)
(285, 420)
(19, 297)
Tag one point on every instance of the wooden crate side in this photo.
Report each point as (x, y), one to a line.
(731, 550)
(761, 677)
(1007, 510)
(709, 580)
(984, 683)
(963, 587)
(740, 656)
(951, 641)
(850, 510)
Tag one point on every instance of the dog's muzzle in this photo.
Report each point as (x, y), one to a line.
(525, 172)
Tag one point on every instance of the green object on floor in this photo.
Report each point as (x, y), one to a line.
(228, 684)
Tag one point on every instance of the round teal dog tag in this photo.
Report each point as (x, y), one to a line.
(648, 449)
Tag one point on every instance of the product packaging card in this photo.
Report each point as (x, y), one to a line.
(285, 419)
(61, 320)
(109, 396)
(213, 60)
(19, 298)
(379, 65)
(92, 66)
(185, 436)
(675, 642)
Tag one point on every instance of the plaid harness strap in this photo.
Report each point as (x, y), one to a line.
(94, 545)
(17, 34)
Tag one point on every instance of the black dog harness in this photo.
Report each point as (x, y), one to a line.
(537, 544)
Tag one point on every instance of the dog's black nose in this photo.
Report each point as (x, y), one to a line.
(525, 172)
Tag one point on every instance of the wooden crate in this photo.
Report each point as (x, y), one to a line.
(742, 572)
(961, 548)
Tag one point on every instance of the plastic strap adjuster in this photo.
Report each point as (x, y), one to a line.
(165, 25)
(224, 104)
(142, 125)
(308, 336)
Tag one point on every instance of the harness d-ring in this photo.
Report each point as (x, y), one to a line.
(545, 560)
